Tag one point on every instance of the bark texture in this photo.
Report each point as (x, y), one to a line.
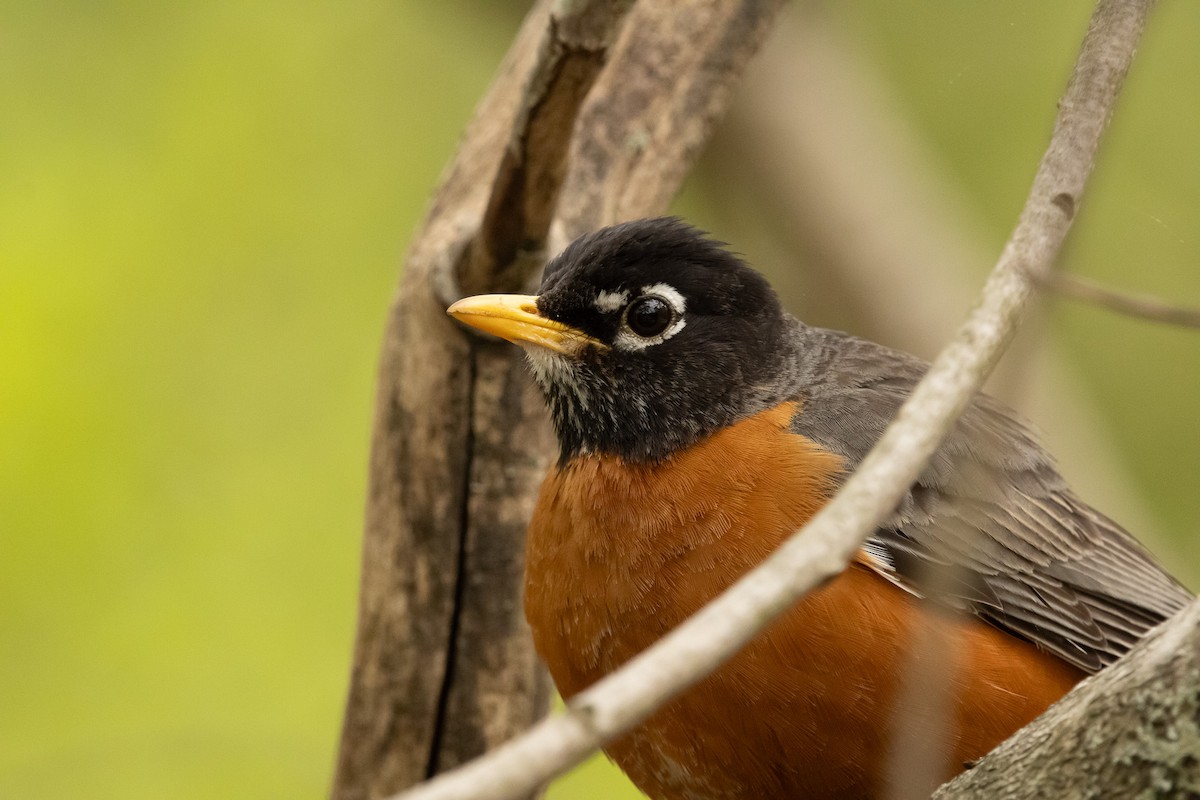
(579, 129)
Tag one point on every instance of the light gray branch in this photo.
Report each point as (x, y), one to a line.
(1140, 306)
(825, 546)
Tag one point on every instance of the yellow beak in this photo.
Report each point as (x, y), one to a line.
(515, 317)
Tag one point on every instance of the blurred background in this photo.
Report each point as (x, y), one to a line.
(203, 213)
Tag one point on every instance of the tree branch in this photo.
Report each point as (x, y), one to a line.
(1140, 306)
(417, 485)
(494, 686)
(826, 544)
(672, 76)
(526, 189)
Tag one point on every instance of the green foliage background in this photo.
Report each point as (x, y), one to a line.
(202, 212)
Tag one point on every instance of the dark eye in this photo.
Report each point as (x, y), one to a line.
(649, 316)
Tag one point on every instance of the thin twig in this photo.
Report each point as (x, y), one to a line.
(827, 543)
(1133, 305)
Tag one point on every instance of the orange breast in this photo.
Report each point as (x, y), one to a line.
(618, 554)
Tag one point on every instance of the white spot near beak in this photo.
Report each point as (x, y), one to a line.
(606, 302)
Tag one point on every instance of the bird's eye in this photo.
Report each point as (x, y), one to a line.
(649, 316)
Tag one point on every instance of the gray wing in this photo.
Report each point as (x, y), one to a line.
(990, 516)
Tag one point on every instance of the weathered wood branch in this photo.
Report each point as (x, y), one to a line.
(1132, 730)
(494, 685)
(417, 487)
(509, 245)
(673, 74)
(443, 666)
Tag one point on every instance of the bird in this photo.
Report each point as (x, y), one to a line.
(700, 425)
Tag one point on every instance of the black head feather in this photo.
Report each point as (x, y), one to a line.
(697, 339)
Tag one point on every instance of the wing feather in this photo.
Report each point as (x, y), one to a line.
(990, 519)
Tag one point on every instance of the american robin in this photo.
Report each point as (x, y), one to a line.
(700, 425)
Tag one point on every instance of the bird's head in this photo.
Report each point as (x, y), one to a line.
(645, 337)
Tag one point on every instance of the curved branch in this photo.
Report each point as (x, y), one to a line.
(526, 188)
(824, 547)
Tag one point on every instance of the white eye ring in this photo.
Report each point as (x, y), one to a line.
(627, 340)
